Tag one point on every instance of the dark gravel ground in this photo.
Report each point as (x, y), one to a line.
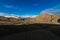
(30, 32)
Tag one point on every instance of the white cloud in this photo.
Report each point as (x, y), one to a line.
(10, 6)
(26, 16)
(16, 16)
(8, 15)
(53, 10)
(2, 14)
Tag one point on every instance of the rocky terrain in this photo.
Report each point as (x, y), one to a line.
(43, 27)
(10, 21)
(43, 18)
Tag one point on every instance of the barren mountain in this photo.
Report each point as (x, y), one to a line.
(10, 21)
(45, 18)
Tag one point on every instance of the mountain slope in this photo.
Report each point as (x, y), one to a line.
(9, 20)
(45, 18)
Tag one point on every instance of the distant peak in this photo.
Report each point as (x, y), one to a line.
(12, 16)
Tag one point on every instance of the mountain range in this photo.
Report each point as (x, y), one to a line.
(43, 18)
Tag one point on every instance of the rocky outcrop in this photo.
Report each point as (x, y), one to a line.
(48, 18)
(8, 21)
(45, 18)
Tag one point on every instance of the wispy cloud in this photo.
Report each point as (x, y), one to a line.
(53, 10)
(15, 15)
(26, 16)
(3, 14)
(7, 14)
(10, 6)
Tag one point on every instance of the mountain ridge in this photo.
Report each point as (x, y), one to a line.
(42, 18)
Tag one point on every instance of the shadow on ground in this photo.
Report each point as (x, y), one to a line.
(30, 32)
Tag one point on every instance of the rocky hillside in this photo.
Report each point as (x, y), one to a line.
(10, 21)
(45, 18)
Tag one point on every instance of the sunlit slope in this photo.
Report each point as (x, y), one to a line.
(45, 18)
(10, 21)
(42, 18)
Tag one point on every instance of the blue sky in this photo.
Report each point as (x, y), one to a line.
(28, 7)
